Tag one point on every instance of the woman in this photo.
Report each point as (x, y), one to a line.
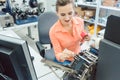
(68, 32)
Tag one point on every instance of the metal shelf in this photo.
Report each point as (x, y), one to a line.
(101, 24)
(110, 8)
(87, 4)
(89, 21)
(96, 5)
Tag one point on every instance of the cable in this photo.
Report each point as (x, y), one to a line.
(5, 77)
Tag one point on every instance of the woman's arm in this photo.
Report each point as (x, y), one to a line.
(56, 45)
(61, 54)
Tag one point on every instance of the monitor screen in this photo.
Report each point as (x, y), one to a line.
(15, 60)
(112, 29)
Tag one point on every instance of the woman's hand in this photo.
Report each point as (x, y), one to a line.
(63, 57)
(87, 38)
(66, 54)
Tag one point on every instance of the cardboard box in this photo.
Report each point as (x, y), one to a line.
(111, 3)
(79, 12)
(90, 13)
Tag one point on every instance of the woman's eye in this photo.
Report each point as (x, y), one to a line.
(62, 14)
(70, 13)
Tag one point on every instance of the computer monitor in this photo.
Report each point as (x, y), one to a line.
(108, 67)
(112, 29)
(15, 60)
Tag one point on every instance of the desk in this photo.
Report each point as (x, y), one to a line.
(28, 25)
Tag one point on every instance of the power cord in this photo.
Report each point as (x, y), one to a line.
(5, 77)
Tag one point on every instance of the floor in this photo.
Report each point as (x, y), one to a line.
(43, 72)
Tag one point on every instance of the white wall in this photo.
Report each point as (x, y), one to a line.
(50, 5)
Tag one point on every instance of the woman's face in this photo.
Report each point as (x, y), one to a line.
(65, 14)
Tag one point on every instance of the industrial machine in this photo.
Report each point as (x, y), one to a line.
(6, 20)
(84, 65)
